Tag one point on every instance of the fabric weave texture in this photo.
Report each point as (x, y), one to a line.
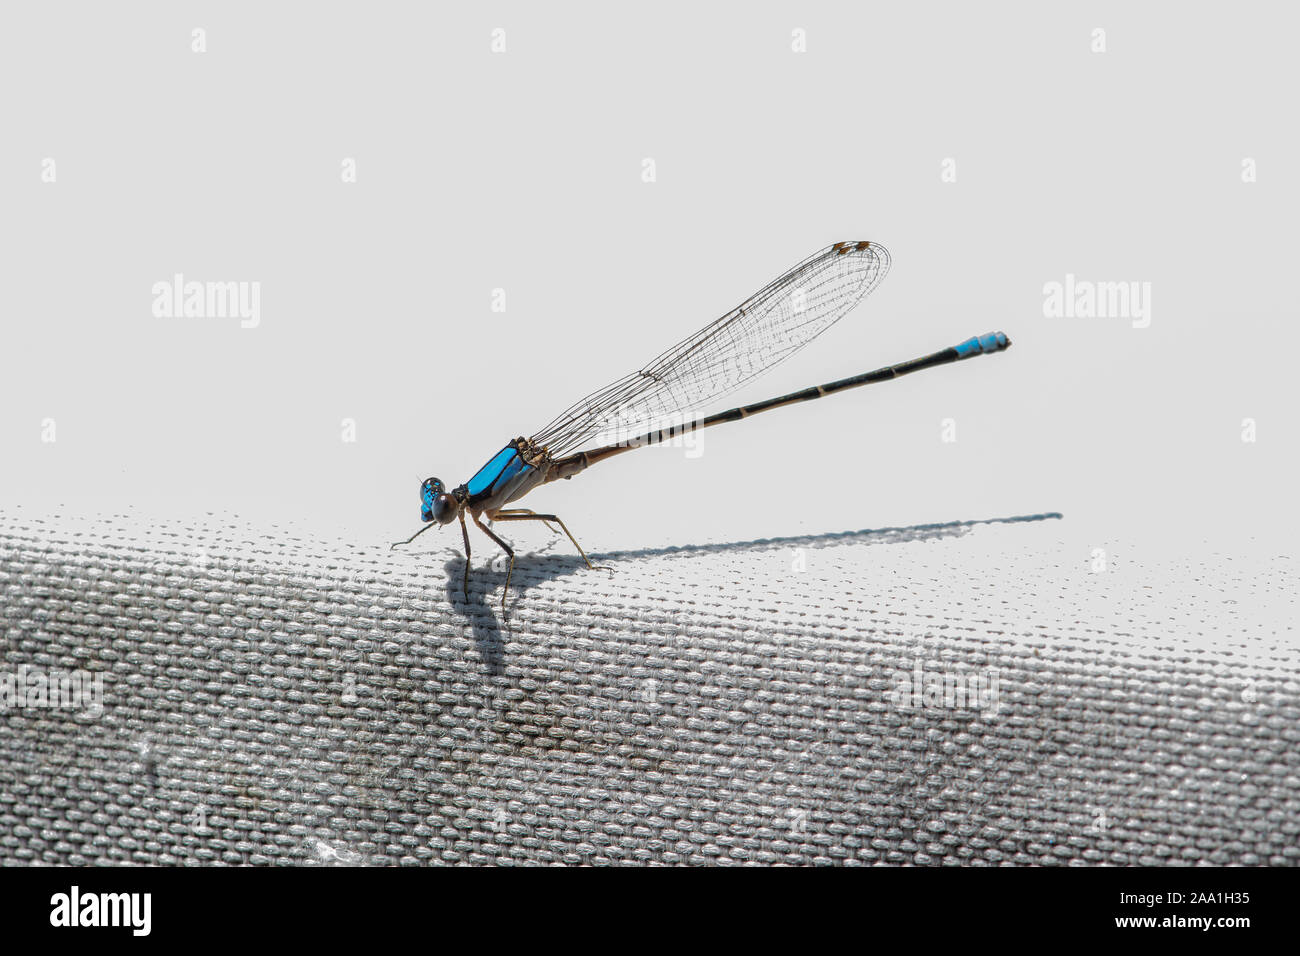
(275, 699)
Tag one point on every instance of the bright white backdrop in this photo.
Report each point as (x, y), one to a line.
(523, 171)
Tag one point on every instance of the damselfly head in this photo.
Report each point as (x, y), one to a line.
(435, 503)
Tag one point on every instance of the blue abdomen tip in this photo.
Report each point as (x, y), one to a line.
(983, 345)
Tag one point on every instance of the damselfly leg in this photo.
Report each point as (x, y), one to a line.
(527, 514)
(464, 533)
(504, 547)
(398, 544)
(519, 511)
(524, 514)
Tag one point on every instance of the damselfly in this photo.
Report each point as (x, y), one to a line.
(765, 329)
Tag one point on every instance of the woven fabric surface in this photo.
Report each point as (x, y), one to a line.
(269, 698)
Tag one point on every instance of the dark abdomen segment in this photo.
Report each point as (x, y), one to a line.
(979, 345)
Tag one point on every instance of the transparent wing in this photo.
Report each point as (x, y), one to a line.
(752, 338)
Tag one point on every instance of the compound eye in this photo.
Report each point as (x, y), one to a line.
(431, 486)
(444, 508)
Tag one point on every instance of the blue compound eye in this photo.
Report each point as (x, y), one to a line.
(429, 491)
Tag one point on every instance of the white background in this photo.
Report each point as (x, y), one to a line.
(522, 171)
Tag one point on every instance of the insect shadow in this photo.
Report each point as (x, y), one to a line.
(481, 606)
